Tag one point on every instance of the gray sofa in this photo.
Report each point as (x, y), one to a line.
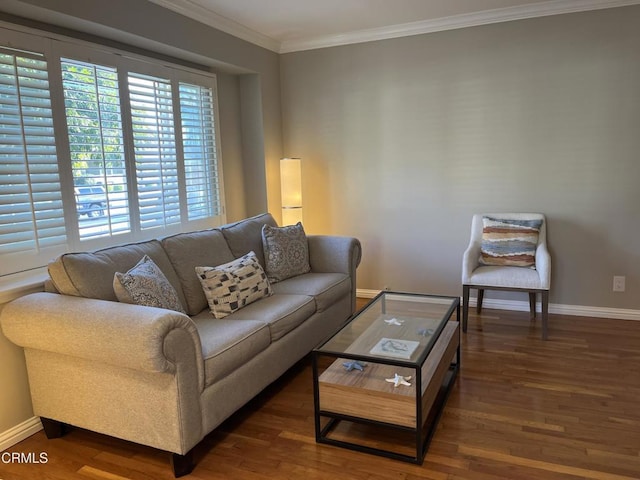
(158, 377)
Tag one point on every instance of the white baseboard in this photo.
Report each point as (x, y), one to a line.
(19, 432)
(523, 306)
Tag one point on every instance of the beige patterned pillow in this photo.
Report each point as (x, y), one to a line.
(145, 284)
(286, 251)
(233, 285)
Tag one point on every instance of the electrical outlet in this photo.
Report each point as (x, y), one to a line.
(618, 283)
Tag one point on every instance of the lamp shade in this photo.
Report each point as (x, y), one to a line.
(291, 190)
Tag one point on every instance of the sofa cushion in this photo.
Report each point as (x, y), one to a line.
(145, 284)
(326, 288)
(228, 344)
(286, 251)
(246, 236)
(282, 313)
(509, 242)
(90, 274)
(233, 285)
(186, 251)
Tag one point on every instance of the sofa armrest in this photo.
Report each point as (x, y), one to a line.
(334, 254)
(119, 334)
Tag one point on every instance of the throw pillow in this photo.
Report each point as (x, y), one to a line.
(145, 284)
(509, 242)
(286, 251)
(233, 285)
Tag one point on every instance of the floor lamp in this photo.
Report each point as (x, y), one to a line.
(291, 190)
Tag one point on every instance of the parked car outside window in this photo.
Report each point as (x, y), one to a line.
(91, 200)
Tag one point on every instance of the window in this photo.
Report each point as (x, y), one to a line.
(98, 149)
(96, 145)
(199, 143)
(31, 209)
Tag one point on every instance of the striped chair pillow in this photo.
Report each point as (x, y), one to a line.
(509, 242)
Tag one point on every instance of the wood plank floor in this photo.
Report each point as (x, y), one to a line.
(521, 408)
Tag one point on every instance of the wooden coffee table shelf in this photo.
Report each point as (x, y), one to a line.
(365, 397)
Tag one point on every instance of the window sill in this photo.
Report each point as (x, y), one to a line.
(20, 284)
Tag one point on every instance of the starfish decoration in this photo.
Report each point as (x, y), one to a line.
(399, 380)
(394, 321)
(425, 332)
(353, 365)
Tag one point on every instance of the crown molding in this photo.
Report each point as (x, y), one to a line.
(553, 7)
(192, 10)
(209, 17)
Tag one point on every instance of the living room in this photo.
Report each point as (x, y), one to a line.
(404, 139)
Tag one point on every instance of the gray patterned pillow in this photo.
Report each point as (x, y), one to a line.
(286, 251)
(145, 284)
(233, 285)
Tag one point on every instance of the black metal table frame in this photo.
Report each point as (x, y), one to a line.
(423, 435)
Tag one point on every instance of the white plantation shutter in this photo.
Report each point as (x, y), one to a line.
(199, 151)
(155, 150)
(100, 147)
(31, 211)
(94, 124)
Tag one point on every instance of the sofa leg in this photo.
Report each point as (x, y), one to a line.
(53, 428)
(465, 307)
(182, 464)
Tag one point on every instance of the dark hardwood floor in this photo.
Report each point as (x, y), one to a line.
(522, 408)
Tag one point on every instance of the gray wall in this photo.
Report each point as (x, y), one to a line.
(404, 139)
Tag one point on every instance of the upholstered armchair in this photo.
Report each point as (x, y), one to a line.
(507, 251)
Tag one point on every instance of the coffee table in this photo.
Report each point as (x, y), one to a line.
(381, 381)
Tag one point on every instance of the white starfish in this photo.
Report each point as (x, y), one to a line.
(394, 321)
(399, 380)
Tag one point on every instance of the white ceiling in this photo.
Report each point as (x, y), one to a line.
(291, 25)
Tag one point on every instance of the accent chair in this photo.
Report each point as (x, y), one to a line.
(507, 251)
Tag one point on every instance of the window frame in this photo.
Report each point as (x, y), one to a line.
(55, 48)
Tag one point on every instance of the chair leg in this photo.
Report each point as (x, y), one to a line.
(479, 302)
(545, 313)
(465, 307)
(532, 304)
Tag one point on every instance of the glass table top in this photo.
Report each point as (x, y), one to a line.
(397, 327)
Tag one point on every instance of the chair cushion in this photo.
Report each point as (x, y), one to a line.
(282, 313)
(507, 277)
(233, 285)
(509, 242)
(228, 344)
(325, 288)
(286, 251)
(145, 284)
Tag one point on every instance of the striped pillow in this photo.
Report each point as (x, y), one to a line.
(509, 242)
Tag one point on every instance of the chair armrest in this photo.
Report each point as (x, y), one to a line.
(119, 334)
(470, 260)
(543, 265)
(334, 254)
